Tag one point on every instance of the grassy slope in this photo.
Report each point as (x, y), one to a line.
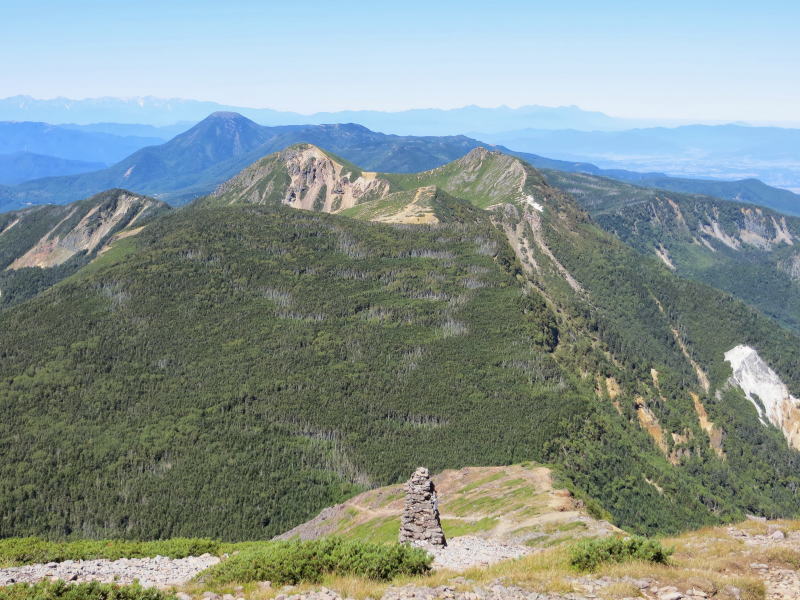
(491, 178)
(710, 560)
(726, 563)
(511, 504)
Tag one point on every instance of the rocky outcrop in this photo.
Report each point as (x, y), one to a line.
(420, 521)
(87, 226)
(766, 391)
(715, 434)
(303, 176)
(791, 266)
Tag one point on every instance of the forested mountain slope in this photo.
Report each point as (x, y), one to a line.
(240, 364)
(41, 245)
(746, 250)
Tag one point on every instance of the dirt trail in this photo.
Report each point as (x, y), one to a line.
(414, 213)
(517, 504)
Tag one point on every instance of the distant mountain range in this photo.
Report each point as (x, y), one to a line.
(434, 121)
(70, 142)
(160, 132)
(196, 161)
(24, 166)
(722, 151)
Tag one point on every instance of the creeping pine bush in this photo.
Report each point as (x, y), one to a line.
(20, 551)
(295, 562)
(80, 591)
(589, 554)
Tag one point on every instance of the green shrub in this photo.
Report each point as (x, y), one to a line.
(587, 555)
(80, 591)
(294, 562)
(19, 551)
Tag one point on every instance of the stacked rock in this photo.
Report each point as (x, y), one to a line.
(420, 521)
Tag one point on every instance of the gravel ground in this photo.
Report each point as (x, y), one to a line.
(590, 589)
(781, 583)
(469, 551)
(151, 572)
(461, 553)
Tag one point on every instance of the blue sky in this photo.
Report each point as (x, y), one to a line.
(694, 60)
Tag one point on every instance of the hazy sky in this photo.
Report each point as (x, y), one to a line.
(702, 59)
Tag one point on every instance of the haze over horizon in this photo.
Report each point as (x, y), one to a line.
(679, 62)
(635, 122)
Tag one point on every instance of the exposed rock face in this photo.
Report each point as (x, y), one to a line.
(791, 266)
(87, 226)
(319, 183)
(303, 176)
(750, 226)
(766, 391)
(420, 521)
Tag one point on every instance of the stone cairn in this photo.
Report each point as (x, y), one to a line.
(420, 521)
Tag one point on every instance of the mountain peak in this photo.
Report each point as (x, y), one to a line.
(218, 137)
(303, 176)
(226, 115)
(480, 153)
(230, 121)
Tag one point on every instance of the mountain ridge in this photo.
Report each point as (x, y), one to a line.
(67, 143)
(164, 111)
(18, 167)
(225, 143)
(196, 161)
(521, 332)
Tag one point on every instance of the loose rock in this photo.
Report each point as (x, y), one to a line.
(150, 572)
